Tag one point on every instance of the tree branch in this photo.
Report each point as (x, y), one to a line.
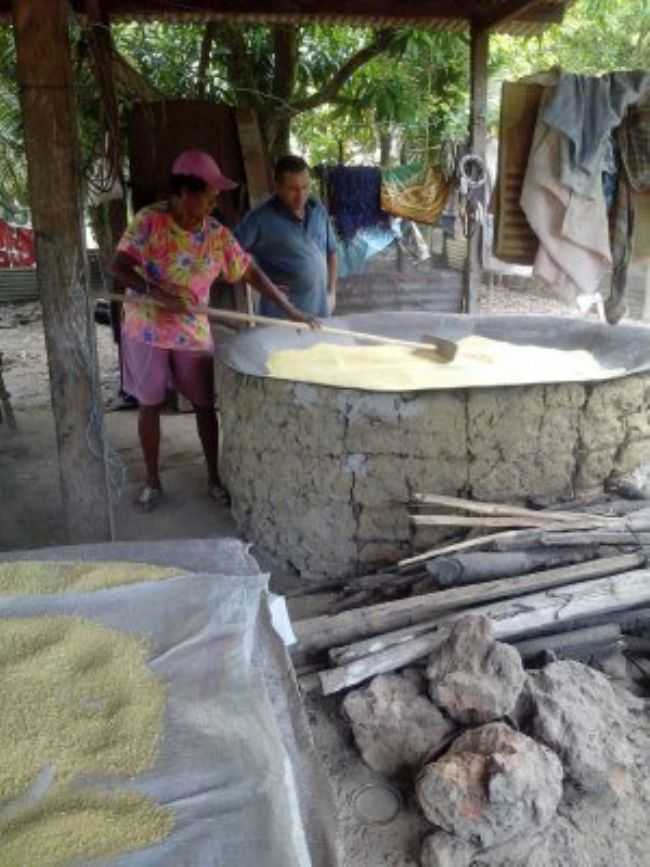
(382, 42)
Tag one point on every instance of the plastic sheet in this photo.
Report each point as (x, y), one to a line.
(236, 761)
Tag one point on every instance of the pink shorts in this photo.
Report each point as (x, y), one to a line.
(149, 372)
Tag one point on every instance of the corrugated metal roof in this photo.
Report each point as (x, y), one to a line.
(450, 15)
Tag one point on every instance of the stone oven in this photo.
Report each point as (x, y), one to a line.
(319, 475)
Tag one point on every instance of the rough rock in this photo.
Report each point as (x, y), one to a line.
(560, 845)
(473, 677)
(445, 850)
(635, 485)
(493, 784)
(577, 713)
(394, 724)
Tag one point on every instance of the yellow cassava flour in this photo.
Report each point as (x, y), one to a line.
(67, 826)
(478, 362)
(31, 577)
(76, 699)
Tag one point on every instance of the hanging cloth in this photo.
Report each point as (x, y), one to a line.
(353, 195)
(573, 230)
(415, 192)
(634, 139)
(586, 110)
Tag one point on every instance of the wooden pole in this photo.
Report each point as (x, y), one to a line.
(479, 49)
(53, 164)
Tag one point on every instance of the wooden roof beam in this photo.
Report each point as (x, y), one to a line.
(508, 11)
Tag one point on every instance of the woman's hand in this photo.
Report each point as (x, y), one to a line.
(172, 297)
(171, 302)
(296, 315)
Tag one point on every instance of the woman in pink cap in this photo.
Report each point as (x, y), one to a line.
(172, 252)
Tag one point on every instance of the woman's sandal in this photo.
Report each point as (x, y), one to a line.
(149, 497)
(219, 494)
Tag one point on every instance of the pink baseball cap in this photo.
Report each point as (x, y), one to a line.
(202, 165)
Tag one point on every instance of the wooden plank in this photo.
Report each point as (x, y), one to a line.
(54, 175)
(449, 14)
(358, 649)
(508, 11)
(502, 522)
(321, 633)
(496, 509)
(512, 619)
(259, 177)
(489, 539)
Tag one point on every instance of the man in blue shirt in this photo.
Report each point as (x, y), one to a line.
(292, 240)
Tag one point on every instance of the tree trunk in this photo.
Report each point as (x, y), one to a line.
(204, 63)
(385, 148)
(280, 139)
(285, 60)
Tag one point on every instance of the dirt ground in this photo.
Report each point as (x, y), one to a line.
(28, 469)
(30, 518)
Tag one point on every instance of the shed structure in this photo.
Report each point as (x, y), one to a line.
(41, 29)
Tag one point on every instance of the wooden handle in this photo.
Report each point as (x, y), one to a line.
(255, 319)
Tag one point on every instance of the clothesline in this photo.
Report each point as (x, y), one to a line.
(361, 197)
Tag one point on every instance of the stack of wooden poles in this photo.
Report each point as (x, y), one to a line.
(572, 581)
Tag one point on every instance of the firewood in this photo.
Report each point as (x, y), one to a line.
(564, 643)
(512, 618)
(320, 633)
(472, 568)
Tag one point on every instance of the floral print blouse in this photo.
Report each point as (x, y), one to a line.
(190, 260)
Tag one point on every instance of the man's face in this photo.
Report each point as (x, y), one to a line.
(293, 190)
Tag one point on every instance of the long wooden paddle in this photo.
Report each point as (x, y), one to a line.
(438, 348)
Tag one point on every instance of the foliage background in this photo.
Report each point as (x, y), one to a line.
(331, 92)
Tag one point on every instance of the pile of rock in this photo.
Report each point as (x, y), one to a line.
(491, 748)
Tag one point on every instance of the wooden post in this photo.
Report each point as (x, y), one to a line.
(51, 144)
(479, 49)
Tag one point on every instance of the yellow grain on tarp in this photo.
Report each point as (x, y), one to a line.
(31, 577)
(76, 696)
(478, 362)
(84, 825)
(77, 699)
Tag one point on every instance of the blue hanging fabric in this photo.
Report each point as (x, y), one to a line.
(354, 195)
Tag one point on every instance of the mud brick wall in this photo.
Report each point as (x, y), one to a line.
(319, 476)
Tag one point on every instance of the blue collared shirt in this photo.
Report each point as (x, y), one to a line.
(291, 251)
